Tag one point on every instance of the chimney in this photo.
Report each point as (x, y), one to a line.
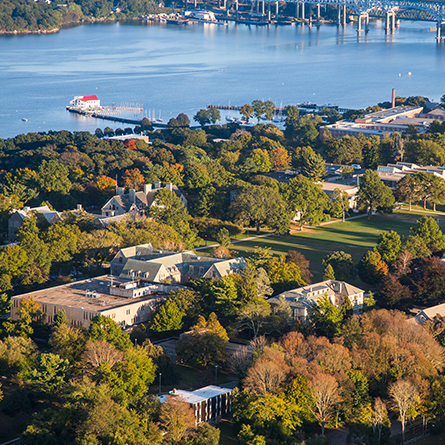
(393, 104)
(147, 188)
(120, 191)
(79, 207)
(26, 209)
(158, 184)
(169, 186)
(132, 193)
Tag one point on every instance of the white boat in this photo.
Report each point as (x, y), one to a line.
(24, 119)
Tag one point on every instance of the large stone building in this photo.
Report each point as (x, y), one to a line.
(125, 301)
(302, 299)
(157, 266)
(135, 203)
(17, 218)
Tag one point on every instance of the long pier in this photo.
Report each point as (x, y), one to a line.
(123, 120)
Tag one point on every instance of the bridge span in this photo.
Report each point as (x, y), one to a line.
(363, 9)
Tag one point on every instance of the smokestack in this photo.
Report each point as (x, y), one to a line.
(393, 104)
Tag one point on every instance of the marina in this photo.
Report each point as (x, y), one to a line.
(181, 69)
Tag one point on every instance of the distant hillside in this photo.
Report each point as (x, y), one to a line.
(42, 16)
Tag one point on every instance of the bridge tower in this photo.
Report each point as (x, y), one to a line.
(390, 21)
(439, 37)
(359, 22)
(341, 21)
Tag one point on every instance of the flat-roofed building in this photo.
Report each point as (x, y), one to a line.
(391, 174)
(352, 190)
(125, 301)
(396, 119)
(302, 299)
(209, 403)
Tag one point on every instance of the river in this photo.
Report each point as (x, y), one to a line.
(172, 69)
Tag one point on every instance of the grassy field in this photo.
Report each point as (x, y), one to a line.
(354, 237)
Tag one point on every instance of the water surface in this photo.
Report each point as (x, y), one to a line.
(173, 69)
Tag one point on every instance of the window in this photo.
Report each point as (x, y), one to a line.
(201, 270)
(128, 311)
(191, 269)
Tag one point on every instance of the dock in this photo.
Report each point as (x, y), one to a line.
(98, 115)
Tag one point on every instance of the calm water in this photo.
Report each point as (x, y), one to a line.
(172, 69)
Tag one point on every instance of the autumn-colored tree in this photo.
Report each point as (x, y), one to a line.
(293, 256)
(177, 418)
(324, 398)
(100, 352)
(105, 183)
(267, 374)
(133, 179)
(371, 268)
(405, 396)
(280, 158)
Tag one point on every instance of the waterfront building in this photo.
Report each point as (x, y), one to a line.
(125, 301)
(85, 102)
(302, 299)
(135, 203)
(396, 119)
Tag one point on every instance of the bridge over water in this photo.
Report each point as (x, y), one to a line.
(390, 9)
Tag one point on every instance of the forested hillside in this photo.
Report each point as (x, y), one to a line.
(33, 16)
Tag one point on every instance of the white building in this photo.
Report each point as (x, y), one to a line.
(209, 403)
(396, 119)
(302, 299)
(85, 102)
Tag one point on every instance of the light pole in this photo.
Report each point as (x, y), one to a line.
(216, 374)
(160, 376)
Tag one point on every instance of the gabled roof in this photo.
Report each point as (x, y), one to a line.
(225, 267)
(431, 312)
(142, 266)
(88, 98)
(43, 210)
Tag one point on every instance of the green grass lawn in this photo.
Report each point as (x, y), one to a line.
(354, 237)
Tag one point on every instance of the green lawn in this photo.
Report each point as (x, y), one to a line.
(354, 237)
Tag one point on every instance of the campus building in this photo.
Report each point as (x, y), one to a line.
(396, 119)
(302, 299)
(209, 403)
(135, 203)
(145, 262)
(17, 218)
(391, 174)
(124, 301)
